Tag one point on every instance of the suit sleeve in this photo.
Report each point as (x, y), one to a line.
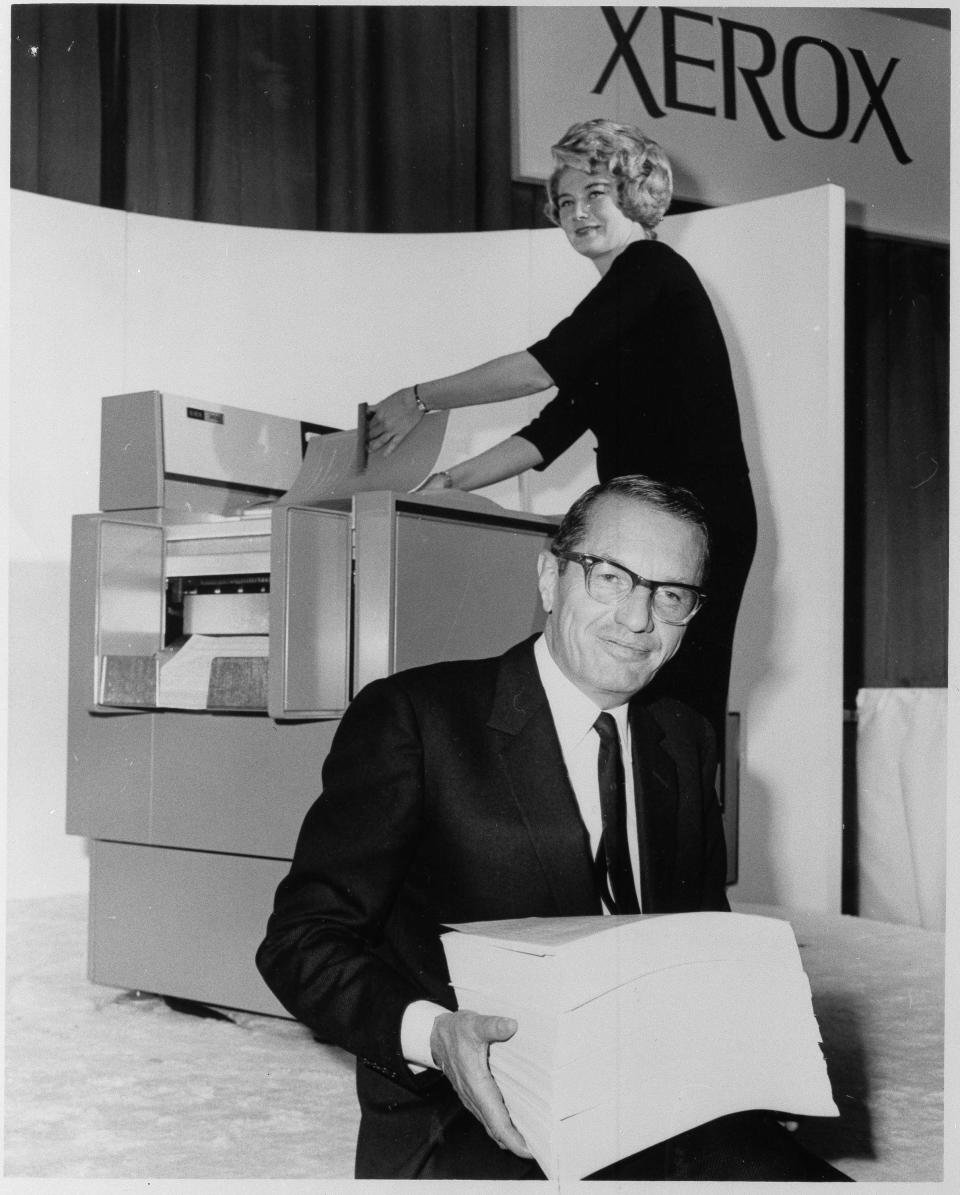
(325, 955)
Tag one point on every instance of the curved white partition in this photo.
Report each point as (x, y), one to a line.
(309, 324)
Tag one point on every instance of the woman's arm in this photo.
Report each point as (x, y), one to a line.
(506, 377)
(506, 459)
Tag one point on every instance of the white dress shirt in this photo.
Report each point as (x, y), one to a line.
(574, 714)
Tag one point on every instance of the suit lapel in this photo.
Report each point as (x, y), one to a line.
(535, 774)
(655, 784)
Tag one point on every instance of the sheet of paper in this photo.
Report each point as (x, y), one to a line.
(541, 935)
(185, 676)
(333, 466)
(562, 962)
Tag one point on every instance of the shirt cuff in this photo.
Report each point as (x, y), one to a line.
(415, 1030)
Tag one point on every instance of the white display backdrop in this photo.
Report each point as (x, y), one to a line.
(752, 102)
(308, 324)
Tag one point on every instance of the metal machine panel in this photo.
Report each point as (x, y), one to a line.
(441, 583)
(130, 588)
(109, 754)
(129, 613)
(154, 447)
(229, 444)
(463, 589)
(374, 576)
(131, 454)
(109, 774)
(310, 599)
(181, 923)
(108, 563)
(239, 783)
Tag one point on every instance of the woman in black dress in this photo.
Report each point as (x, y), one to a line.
(641, 362)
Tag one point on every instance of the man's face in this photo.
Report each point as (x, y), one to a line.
(611, 652)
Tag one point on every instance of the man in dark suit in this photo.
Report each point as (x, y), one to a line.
(488, 789)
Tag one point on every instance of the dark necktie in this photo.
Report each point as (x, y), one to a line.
(613, 855)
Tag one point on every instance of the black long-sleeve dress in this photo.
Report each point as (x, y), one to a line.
(642, 363)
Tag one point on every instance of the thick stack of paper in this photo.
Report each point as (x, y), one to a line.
(633, 1029)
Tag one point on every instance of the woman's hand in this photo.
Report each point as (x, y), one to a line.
(437, 481)
(391, 420)
(512, 376)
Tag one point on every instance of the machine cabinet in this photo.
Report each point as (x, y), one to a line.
(199, 946)
(215, 643)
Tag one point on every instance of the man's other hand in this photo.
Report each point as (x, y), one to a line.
(460, 1044)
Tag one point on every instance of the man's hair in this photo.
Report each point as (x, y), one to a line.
(641, 169)
(671, 499)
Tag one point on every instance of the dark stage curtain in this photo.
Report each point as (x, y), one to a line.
(897, 396)
(341, 118)
(398, 120)
(55, 101)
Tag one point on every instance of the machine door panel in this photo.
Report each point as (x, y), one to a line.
(130, 586)
(181, 923)
(477, 585)
(116, 596)
(437, 586)
(240, 783)
(117, 609)
(109, 774)
(310, 601)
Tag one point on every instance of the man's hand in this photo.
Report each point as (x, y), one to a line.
(460, 1044)
(389, 421)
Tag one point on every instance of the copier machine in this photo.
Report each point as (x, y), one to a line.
(215, 641)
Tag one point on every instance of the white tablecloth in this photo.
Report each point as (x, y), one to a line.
(901, 805)
(878, 997)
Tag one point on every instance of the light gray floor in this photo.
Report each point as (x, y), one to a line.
(106, 1084)
(103, 1084)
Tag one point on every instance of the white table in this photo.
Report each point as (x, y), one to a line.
(878, 995)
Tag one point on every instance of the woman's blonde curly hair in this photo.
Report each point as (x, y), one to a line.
(640, 167)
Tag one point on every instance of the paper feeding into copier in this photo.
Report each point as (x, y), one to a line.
(338, 464)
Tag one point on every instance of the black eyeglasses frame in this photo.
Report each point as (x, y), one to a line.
(588, 562)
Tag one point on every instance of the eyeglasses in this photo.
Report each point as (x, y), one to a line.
(611, 583)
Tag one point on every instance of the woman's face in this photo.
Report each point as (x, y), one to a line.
(588, 213)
